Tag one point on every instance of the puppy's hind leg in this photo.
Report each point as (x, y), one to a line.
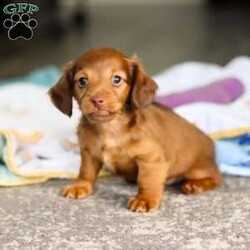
(202, 177)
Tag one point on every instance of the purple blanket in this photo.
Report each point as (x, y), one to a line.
(222, 92)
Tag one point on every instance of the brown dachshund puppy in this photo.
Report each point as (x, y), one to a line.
(122, 128)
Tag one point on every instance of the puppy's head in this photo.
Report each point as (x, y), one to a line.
(103, 81)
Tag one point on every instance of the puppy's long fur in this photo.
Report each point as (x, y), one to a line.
(124, 129)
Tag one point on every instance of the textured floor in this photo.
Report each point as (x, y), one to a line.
(35, 217)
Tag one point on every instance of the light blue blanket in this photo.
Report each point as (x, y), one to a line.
(233, 155)
(46, 77)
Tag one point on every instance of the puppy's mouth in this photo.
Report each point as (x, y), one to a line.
(101, 115)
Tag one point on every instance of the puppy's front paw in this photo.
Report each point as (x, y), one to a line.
(77, 190)
(142, 204)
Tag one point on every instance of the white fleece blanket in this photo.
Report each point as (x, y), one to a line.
(210, 117)
(37, 141)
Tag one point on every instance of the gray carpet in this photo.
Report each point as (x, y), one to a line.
(36, 217)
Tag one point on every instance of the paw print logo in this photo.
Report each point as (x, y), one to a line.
(20, 26)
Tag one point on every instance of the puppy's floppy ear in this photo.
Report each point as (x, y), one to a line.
(143, 86)
(61, 94)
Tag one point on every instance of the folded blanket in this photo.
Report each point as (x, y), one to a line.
(227, 124)
(36, 157)
(37, 142)
(233, 154)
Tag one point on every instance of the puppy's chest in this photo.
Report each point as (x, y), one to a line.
(113, 152)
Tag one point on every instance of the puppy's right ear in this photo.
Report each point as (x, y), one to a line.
(61, 94)
(143, 86)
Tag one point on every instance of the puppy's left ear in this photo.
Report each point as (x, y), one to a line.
(143, 86)
(61, 94)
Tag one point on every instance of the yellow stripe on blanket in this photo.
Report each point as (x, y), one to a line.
(22, 182)
(230, 133)
(14, 141)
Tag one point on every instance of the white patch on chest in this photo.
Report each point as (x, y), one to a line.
(110, 152)
(111, 143)
(108, 162)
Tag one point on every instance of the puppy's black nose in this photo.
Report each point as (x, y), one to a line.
(97, 101)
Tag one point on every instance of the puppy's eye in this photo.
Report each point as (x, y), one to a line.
(116, 80)
(83, 81)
